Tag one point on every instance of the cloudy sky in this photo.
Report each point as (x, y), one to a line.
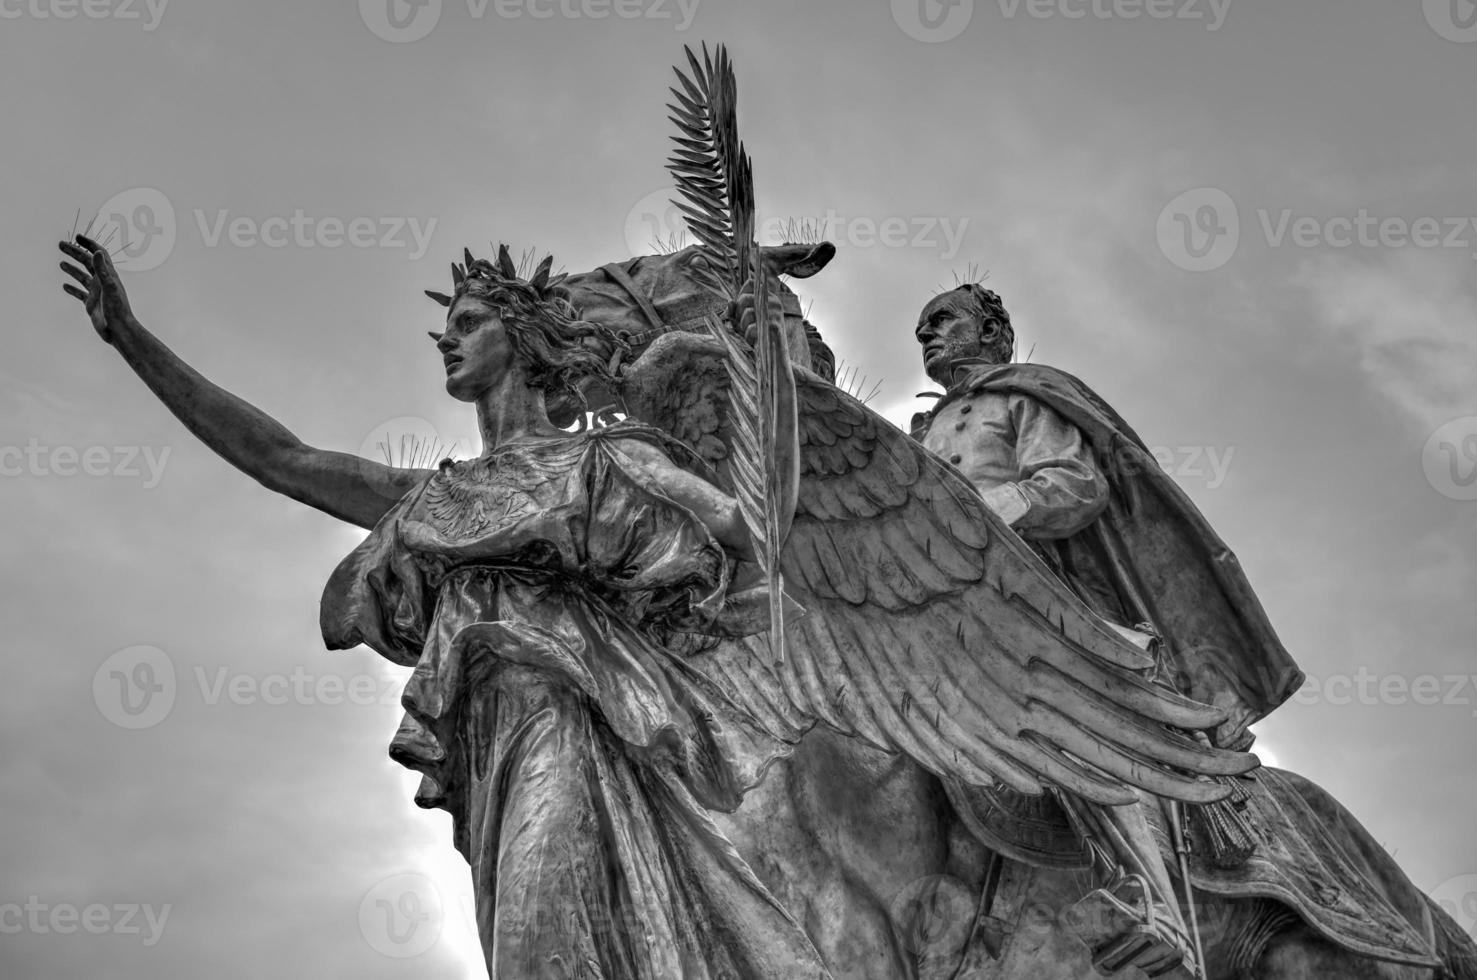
(1248, 224)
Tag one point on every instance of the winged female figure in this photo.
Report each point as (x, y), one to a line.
(548, 592)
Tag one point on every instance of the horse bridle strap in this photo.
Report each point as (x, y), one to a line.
(643, 302)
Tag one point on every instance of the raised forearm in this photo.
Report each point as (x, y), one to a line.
(240, 433)
(356, 490)
(352, 489)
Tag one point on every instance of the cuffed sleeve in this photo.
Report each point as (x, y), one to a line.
(1063, 486)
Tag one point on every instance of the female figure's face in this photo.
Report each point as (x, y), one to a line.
(475, 347)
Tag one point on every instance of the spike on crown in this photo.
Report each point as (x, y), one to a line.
(504, 272)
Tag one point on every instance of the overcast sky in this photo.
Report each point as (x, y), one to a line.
(1249, 225)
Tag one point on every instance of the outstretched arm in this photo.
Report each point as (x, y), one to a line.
(348, 487)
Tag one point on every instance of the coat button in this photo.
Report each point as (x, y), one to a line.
(958, 426)
(956, 459)
(965, 409)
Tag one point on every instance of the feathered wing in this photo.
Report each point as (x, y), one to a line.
(932, 629)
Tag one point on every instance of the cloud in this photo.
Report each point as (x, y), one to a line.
(1411, 318)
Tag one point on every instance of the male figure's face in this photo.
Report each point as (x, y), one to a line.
(950, 329)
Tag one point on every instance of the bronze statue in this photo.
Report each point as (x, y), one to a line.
(536, 590)
(710, 688)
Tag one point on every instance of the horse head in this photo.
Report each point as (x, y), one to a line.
(647, 296)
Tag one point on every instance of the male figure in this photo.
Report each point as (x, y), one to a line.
(1068, 475)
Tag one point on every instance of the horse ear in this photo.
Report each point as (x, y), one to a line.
(540, 279)
(798, 261)
(506, 265)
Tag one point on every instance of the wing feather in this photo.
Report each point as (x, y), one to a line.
(931, 628)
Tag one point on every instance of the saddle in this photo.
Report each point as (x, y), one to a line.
(1309, 855)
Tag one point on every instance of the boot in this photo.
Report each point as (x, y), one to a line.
(1124, 927)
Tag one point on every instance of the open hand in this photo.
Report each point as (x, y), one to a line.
(100, 290)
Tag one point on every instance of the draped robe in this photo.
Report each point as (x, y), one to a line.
(534, 590)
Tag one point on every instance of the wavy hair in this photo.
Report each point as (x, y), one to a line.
(560, 350)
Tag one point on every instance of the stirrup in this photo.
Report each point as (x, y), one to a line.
(1121, 935)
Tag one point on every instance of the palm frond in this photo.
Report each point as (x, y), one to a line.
(712, 172)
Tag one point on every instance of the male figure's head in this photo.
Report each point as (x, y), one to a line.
(966, 324)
